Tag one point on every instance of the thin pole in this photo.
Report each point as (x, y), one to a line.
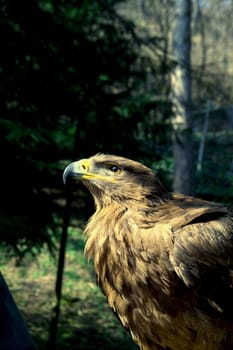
(203, 138)
(60, 270)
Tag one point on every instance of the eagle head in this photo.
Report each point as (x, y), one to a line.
(112, 178)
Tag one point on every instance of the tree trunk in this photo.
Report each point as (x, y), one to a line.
(181, 99)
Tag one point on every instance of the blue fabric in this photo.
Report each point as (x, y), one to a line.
(14, 334)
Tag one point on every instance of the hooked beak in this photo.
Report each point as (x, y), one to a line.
(76, 171)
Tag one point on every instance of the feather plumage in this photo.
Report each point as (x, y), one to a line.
(163, 260)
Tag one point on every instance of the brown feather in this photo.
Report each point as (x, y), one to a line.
(163, 260)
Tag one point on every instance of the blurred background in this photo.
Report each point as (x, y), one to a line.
(81, 77)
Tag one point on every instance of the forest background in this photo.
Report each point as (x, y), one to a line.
(81, 77)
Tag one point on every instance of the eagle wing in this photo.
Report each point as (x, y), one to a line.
(202, 253)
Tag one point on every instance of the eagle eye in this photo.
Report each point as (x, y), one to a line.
(114, 168)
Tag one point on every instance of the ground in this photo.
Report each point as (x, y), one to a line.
(86, 321)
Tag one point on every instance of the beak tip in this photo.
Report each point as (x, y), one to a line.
(67, 173)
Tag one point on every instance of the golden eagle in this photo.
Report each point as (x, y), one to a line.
(163, 260)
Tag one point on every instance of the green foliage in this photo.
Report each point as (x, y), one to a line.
(71, 76)
(215, 183)
(164, 169)
(74, 80)
(215, 180)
